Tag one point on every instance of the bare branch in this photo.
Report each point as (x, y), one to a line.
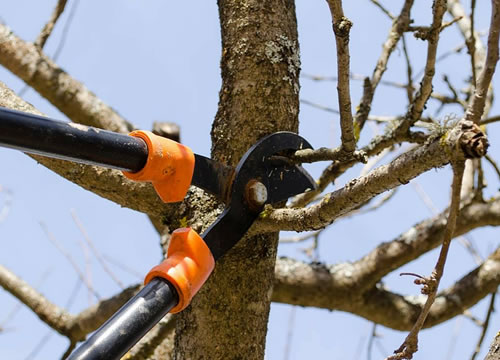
(409, 71)
(384, 10)
(335, 288)
(341, 28)
(416, 108)
(454, 144)
(94, 250)
(466, 27)
(490, 120)
(110, 184)
(476, 107)
(47, 29)
(399, 26)
(67, 94)
(70, 259)
(494, 353)
(7, 203)
(486, 323)
(431, 284)
(364, 274)
(324, 154)
(337, 168)
(49, 313)
(494, 164)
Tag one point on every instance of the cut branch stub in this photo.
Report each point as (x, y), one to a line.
(473, 141)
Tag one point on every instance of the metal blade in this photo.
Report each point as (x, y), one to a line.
(213, 177)
(282, 176)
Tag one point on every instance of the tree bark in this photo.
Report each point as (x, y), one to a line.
(494, 353)
(259, 95)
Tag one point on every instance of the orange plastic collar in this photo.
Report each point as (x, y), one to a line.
(188, 265)
(169, 166)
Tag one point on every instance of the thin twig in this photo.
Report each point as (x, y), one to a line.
(318, 106)
(471, 42)
(398, 28)
(486, 323)
(342, 27)
(54, 316)
(19, 305)
(124, 267)
(45, 339)
(297, 239)
(65, 32)
(416, 108)
(7, 203)
(94, 250)
(373, 336)
(443, 56)
(490, 120)
(70, 259)
(493, 163)
(289, 335)
(384, 10)
(409, 71)
(431, 284)
(468, 244)
(454, 337)
(47, 29)
(62, 41)
(476, 107)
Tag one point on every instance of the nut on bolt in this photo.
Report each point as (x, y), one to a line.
(256, 194)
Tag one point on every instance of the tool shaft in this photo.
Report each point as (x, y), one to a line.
(38, 135)
(127, 326)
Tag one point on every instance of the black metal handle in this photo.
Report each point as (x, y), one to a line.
(129, 324)
(39, 135)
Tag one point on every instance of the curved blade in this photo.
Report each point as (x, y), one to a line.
(266, 162)
(288, 180)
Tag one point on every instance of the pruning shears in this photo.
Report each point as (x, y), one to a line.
(264, 175)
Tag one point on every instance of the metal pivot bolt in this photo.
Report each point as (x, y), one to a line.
(256, 194)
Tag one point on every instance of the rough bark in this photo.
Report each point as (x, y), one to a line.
(494, 353)
(69, 95)
(110, 184)
(259, 95)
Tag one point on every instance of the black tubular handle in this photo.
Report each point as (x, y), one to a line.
(127, 326)
(39, 135)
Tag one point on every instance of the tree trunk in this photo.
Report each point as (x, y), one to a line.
(259, 95)
(494, 353)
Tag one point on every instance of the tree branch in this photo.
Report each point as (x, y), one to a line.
(456, 144)
(476, 107)
(415, 110)
(332, 287)
(431, 283)
(341, 28)
(110, 184)
(49, 313)
(53, 83)
(47, 29)
(399, 26)
(491, 309)
(75, 327)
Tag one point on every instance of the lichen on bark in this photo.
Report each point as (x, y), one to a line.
(259, 95)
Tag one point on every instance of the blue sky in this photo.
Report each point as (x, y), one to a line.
(159, 61)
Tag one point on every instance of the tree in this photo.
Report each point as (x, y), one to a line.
(260, 68)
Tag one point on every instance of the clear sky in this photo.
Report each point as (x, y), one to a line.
(155, 60)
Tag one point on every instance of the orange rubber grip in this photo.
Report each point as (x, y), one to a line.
(188, 265)
(169, 167)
